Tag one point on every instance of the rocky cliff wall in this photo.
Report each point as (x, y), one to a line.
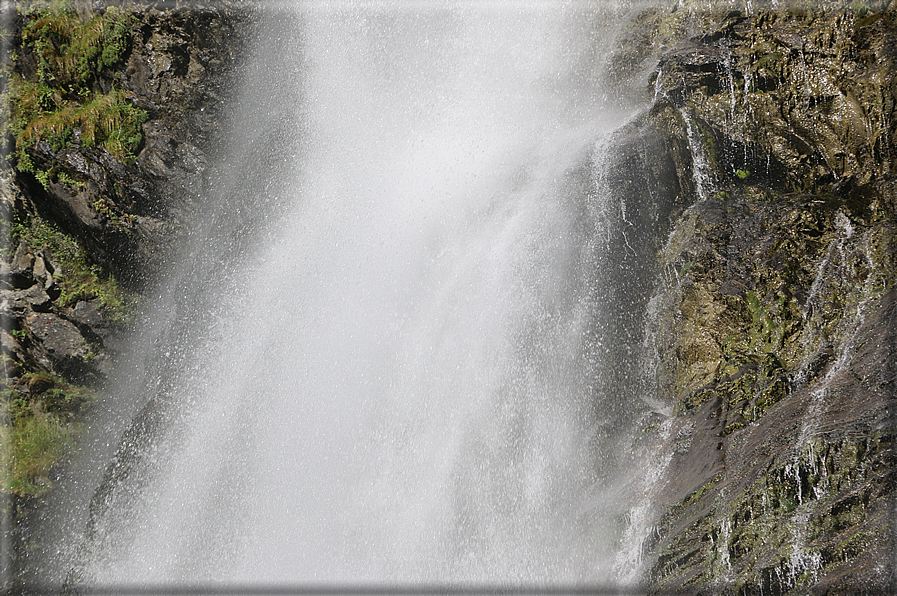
(771, 137)
(773, 325)
(112, 116)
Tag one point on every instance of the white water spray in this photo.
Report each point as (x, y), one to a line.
(393, 381)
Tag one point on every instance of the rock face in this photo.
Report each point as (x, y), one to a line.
(92, 226)
(762, 183)
(127, 213)
(774, 328)
(118, 215)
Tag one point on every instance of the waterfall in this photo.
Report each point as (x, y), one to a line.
(389, 352)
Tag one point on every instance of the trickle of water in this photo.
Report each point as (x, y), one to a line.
(700, 166)
(729, 63)
(845, 228)
(643, 516)
(658, 86)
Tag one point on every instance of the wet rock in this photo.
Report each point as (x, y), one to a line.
(33, 298)
(800, 497)
(19, 273)
(773, 324)
(811, 94)
(60, 346)
(689, 67)
(88, 316)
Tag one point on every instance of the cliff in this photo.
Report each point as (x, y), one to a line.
(769, 212)
(773, 326)
(110, 121)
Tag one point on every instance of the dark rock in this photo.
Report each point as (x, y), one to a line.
(99, 209)
(11, 366)
(690, 67)
(5, 272)
(39, 383)
(33, 298)
(23, 259)
(88, 316)
(20, 273)
(61, 347)
(87, 313)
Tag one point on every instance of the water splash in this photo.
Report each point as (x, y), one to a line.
(642, 519)
(406, 372)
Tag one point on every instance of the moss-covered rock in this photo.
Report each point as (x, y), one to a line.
(773, 325)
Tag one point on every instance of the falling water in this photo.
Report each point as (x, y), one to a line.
(389, 353)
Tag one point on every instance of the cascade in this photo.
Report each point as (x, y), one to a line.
(402, 343)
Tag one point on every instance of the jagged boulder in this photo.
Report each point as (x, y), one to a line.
(60, 346)
(103, 202)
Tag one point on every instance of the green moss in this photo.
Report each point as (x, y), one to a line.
(63, 93)
(30, 447)
(699, 494)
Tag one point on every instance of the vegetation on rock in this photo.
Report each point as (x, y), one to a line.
(57, 91)
(77, 278)
(105, 110)
(41, 409)
(774, 334)
(58, 95)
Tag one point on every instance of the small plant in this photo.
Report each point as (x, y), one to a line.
(106, 120)
(64, 178)
(39, 430)
(44, 178)
(742, 174)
